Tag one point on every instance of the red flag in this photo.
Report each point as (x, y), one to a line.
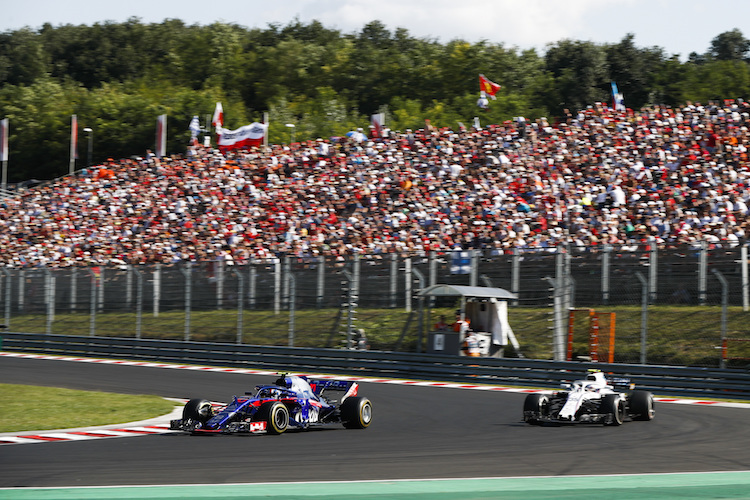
(488, 87)
(218, 119)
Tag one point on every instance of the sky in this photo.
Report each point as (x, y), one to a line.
(677, 26)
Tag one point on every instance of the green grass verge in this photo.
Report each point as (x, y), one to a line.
(27, 407)
(676, 334)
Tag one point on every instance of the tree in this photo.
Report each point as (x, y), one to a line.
(729, 46)
(581, 73)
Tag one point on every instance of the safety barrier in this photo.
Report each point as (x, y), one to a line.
(662, 380)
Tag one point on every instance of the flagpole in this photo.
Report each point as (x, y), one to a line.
(265, 134)
(4, 133)
(73, 143)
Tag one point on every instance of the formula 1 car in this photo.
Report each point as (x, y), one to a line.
(291, 402)
(596, 399)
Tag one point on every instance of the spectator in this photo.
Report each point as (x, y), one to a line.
(659, 176)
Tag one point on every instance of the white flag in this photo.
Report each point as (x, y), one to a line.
(4, 140)
(218, 119)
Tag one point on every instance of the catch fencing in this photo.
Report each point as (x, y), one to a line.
(371, 300)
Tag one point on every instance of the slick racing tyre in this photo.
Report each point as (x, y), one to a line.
(198, 410)
(356, 412)
(641, 404)
(276, 416)
(614, 407)
(535, 408)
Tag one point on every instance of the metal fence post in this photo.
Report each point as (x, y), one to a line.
(745, 286)
(8, 296)
(240, 302)
(652, 272)
(606, 254)
(138, 299)
(724, 304)
(100, 289)
(474, 270)
(703, 273)
(128, 285)
(394, 278)
(286, 270)
(219, 284)
(291, 299)
(49, 297)
(276, 286)
(92, 318)
(515, 273)
(253, 286)
(157, 289)
(644, 315)
(351, 306)
(187, 271)
(21, 289)
(407, 283)
(420, 300)
(321, 281)
(558, 332)
(73, 289)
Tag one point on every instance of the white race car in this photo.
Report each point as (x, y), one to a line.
(591, 400)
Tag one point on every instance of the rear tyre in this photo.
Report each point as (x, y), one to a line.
(356, 412)
(276, 416)
(535, 408)
(198, 410)
(641, 405)
(614, 407)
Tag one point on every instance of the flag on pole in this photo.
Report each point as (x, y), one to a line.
(218, 119)
(245, 137)
(488, 87)
(378, 120)
(195, 128)
(161, 136)
(618, 100)
(73, 138)
(4, 139)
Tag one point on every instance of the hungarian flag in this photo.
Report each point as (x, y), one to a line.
(488, 87)
(218, 119)
(243, 138)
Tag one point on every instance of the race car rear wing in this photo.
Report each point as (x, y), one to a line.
(321, 385)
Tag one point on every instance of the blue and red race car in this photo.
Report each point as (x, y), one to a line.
(292, 402)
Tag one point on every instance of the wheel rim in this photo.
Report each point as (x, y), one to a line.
(280, 418)
(366, 413)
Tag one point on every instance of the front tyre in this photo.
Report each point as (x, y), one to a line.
(535, 408)
(613, 407)
(197, 410)
(276, 416)
(641, 405)
(356, 412)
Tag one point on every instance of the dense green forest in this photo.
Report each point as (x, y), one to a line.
(118, 77)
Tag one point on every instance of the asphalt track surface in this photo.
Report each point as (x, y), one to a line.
(417, 433)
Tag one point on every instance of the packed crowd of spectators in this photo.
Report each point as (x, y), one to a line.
(661, 175)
